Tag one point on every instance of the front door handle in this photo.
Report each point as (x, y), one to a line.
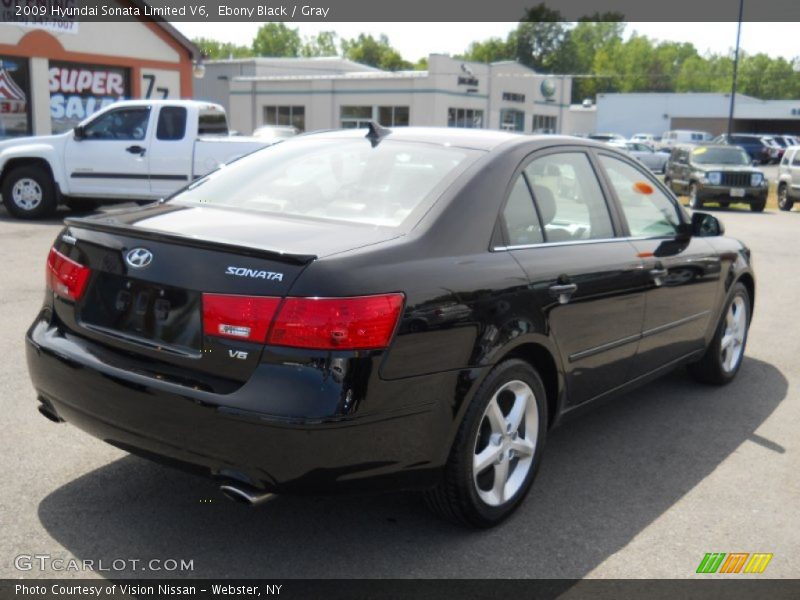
(140, 150)
(563, 291)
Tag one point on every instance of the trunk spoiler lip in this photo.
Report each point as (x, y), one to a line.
(207, 244)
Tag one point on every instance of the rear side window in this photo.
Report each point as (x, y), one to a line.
(212, 123)
(171, 123)
(569, 198)
(649, 212)
(522, 223)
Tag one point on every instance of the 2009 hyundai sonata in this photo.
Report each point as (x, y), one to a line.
(410, 308)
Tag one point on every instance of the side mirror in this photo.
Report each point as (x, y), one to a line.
(706, 225)
(80, 133)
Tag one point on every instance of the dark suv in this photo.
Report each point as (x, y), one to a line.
(716, 173)
(758, 147)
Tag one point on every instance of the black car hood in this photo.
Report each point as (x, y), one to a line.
(303, 238)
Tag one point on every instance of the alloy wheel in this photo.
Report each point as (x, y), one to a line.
(732, 343)
(505, 443)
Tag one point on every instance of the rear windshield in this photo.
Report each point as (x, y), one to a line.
(212, 123)
(720, 156)
(337, 179)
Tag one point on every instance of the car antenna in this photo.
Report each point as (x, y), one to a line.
(376, 133)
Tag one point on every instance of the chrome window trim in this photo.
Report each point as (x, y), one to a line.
(580, 242)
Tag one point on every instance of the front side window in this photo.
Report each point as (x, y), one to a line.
(519, 215)
(649, 212)
(569, 198)
(121, 124)
(334, 178)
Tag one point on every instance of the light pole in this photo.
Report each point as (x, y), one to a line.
(735, 68)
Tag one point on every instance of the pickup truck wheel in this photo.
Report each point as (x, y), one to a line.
(81, 204)
(784, 202)
(695, 203)
(497, 449)
(758, 206)
(29, 193)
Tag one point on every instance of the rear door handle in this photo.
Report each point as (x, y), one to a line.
(140, 150)
(563, 291)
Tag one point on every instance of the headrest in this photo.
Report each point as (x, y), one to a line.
(546, 203)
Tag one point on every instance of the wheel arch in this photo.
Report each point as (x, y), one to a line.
(42, 163)
(749, 283)
(543, 359)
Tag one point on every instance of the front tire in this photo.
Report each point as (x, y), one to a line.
(784, 202)
(29, 193)
(497, 449)
(723, 356)
(695, 203)
(758, 206)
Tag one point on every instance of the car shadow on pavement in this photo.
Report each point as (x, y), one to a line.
(605, 477)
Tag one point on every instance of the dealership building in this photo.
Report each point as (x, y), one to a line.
(329, 93)
(659, 112)
(53, 75)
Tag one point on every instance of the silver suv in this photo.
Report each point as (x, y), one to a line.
(789, 178)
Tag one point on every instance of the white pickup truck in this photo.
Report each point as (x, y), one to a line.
(131, 150)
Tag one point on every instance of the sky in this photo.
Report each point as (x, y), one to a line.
(415, 40)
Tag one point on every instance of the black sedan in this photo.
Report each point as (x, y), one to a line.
(410, 308)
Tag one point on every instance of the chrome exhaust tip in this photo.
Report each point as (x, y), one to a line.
(244, 494)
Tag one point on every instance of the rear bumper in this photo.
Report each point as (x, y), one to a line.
(234, 435)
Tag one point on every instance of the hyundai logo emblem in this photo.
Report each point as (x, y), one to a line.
(139, 257)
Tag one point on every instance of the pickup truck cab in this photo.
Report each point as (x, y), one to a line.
(789, 178)
(131, 150)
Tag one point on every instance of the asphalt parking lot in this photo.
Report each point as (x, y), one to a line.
(642, 486)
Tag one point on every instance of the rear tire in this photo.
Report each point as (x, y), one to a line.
(29, 192)
(502, 435)
(724, 354)
(784, 202)
(758, 206)
(724, 204)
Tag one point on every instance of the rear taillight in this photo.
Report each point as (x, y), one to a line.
(245, 318)
(66, 277)
(359, 323)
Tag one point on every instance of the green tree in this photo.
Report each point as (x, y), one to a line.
(378, 53)
(491, 50)
(538, 38)
(322, 44)
(214, 49)
(276, 39)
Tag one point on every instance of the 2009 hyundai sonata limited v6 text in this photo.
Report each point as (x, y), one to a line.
(384, 309)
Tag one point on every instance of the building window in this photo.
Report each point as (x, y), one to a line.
(15, 108)
(393, 116)
(513, 97)
(289, 116)
(79, 90)
(544, 123)
(465, 117)
(355, 117)
(512, 120)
